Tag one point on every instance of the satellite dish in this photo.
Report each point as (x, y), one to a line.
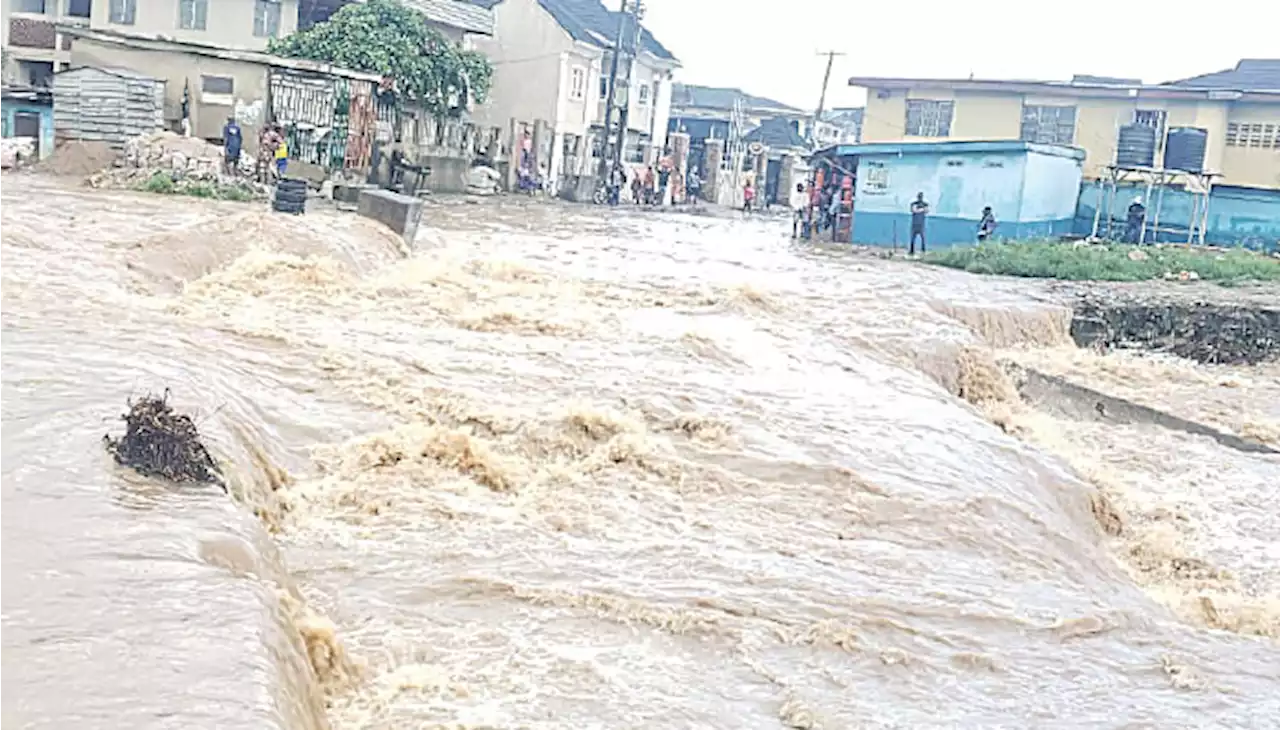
(755, 148)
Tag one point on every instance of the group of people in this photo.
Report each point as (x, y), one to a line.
(650, 187)
(818, 209)
(920, 213)
(273, 149)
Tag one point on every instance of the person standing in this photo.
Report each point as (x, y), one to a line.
(1135, 217)
(919, 212)
(232, 143)
(748, 197)
(799, 205)
(693, 187)
(282, 154)
(986, 226)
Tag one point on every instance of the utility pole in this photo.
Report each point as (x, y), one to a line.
(637, 12)
(822, 100)
(603, 169)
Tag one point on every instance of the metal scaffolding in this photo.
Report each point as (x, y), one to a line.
(1198, 184)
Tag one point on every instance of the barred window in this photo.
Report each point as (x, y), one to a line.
(927, 118)
(1048, 124)
(266, 18)
(193, 14)
(1260, 135)
(122, 12)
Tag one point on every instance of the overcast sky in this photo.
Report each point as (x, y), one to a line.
(937, 38)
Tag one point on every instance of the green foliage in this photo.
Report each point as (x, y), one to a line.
(1107, 262)
(159, 182)
(388, 38)
(162, 183)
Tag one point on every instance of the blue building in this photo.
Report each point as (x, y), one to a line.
(28, 112)
(1032, 188)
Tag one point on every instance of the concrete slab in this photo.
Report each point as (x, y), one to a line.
(400, 213)
(313, 174)
(346, 193)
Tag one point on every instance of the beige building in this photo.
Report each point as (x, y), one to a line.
(1239, 109)
(551, 62)
(35, 48)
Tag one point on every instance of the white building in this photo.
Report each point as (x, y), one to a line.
(551, 61)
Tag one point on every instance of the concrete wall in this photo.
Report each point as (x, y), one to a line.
(229, 22)
(177, 69)
(10, 109)
(1032, 195)
(1050, 189)
(998, 116)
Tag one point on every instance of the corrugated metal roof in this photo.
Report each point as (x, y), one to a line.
(591, 22)
(472, 18)
(715, 97)
(1250, 74)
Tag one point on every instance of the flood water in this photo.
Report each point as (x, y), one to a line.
(567, 467)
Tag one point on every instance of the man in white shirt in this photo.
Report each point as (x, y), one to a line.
(799, 209)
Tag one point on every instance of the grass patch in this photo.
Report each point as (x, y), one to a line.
(1108, 262)
(162, 183)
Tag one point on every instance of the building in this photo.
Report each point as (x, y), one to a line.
(28, 112)
(1239, 108)
(551, 62)
(1032, 188)
(846, 124)
(35, 48)
(328, 111)
(707, 112)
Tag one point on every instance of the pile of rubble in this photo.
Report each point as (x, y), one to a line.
(17, 152)
(187, 161)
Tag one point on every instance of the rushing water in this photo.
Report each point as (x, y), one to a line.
(566, 467)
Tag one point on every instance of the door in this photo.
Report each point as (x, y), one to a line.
(27, 124)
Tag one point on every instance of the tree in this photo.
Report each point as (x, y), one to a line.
(388, 38)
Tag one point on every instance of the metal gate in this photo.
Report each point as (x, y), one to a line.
(327, 120)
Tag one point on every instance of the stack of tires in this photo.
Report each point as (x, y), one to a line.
(291, 196)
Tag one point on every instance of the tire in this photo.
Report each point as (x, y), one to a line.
(291, 182)
(289, 196)
(286, 207)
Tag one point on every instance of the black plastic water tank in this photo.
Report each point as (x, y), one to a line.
(1184, 149)
(1136, 146)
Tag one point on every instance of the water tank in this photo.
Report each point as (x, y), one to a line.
(1136, 146)
(1184, 149)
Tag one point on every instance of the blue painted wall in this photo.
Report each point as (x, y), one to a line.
(1032, 194)
(9, 109)
(1237, 216)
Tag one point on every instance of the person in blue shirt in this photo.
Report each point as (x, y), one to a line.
(232, 142)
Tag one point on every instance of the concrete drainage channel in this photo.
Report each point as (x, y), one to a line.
(1060, 397)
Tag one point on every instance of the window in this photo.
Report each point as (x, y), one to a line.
(266, 18)
(1048, 124)
(79, 8)
(123, 12)
(644, 94)
(577, 83)
(193, 14)
(1256, 134)
(1152, 118)
(217, 85)
(28, 6)
(929, 118)
(604, 86)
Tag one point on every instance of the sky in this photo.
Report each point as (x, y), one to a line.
(770, 47)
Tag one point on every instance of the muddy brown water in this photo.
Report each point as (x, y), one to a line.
(570, 467)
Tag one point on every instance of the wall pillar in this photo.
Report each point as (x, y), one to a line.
(514, 134)
(679, 143)
(714, 156)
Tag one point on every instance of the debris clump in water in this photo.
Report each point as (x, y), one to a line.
(160, 442)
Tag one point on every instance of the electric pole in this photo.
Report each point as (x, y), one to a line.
(822, 100)
(634, 50)
(603, 170)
